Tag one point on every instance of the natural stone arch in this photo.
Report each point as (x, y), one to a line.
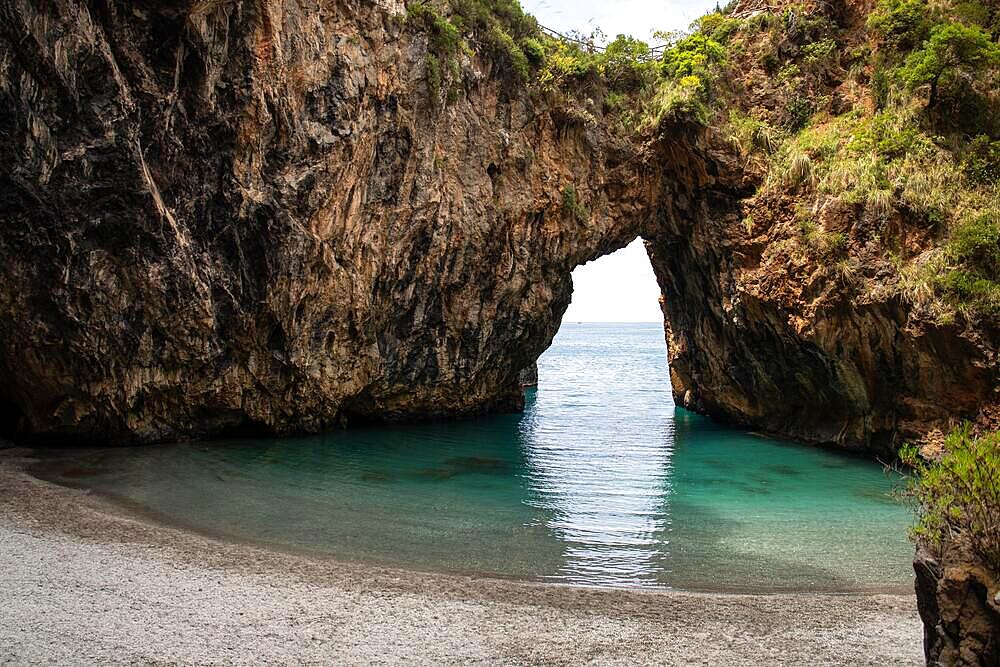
(213, 221)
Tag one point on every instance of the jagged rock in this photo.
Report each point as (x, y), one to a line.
(529, 376)
(959, 602)
(221, 215)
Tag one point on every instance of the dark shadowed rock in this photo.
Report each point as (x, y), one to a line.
(959, 602)
(528, 377)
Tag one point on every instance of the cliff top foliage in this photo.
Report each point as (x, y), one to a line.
(958, 495)
(878, 135)
(891, 121)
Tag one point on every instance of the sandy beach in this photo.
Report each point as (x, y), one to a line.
(86, 581)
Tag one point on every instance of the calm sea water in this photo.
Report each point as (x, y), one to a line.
(602, 481)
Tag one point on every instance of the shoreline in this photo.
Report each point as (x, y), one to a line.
(88, 578)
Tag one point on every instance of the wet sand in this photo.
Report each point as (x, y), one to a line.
(88, 581)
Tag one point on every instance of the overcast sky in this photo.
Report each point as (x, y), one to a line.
(620, 287)
(638, 18)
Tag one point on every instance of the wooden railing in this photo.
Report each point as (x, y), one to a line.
(653, 53)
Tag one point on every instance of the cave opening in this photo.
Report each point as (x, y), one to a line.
(614, 322)
(619, 287)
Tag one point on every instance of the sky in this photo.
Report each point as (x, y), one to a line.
(619, 287)
(638, 18)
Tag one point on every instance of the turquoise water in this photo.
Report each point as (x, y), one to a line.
(602, 481)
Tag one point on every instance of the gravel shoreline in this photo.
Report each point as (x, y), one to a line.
(88, 581)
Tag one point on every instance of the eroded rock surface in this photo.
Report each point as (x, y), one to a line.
(959, 602)
(230, 214)
(220, 215)
(785, 348)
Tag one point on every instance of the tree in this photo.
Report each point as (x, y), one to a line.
(953, 50)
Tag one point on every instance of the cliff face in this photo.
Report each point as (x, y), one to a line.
(800, 308)
(220, 215)
(767, 339)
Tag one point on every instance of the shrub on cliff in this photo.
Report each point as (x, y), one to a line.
(572, 206)
(958, 495)
(500, 28)
(444, 42)
(902, 23)
(974, 282)
(953, 55)
(689, 70)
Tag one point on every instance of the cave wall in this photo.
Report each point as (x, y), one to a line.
(800, 355)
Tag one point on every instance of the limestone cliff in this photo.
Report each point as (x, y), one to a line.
(220, 215)
(265, 214)
(811, 307)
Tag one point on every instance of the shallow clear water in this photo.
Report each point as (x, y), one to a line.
(600, 482)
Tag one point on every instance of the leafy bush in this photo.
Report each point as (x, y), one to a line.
(798, 111)
(958, 496)
(981, 162)
(533, 51)
(976, 244)
(675, 100)
(971, 292)
(626, 63)
(903, 23)
(821, 52)
(507, 53)
(694, 55)
(566, 63)
(481, 16)
(717, 26)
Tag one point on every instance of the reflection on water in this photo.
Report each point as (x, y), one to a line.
(600, 482)
(603, 470)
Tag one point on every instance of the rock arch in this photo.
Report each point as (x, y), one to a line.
(213, 221)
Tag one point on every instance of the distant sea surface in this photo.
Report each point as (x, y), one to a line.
(602, 481)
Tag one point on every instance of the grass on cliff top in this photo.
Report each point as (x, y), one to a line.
(646, 86)
(498, 29)
(898, 121)
(897, 118)
(958, 495)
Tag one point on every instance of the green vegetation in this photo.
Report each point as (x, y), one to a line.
(903, 24)
(953, 54)
(689, 70)
(499, 28)
(674, 85)
(958, 496)
(921, 162)
(974, 248)
(896, 130)
(572, 206)
(949, 48)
